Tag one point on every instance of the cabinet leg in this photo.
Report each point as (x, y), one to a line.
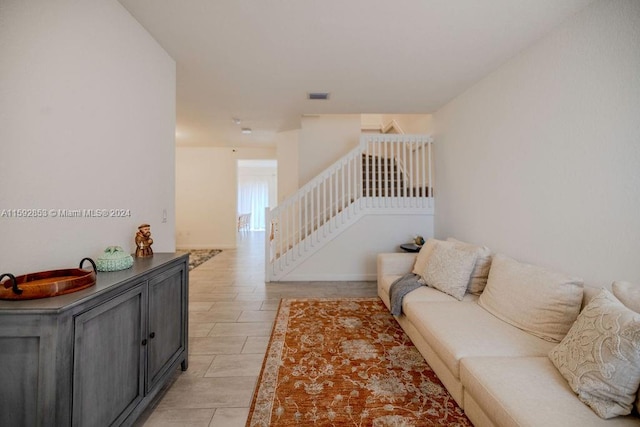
(184, 365)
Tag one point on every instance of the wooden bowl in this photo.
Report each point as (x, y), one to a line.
(46, 284)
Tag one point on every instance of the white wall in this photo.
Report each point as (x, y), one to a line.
(411, 123)
(371, 122)
(304, 153)
(87, 121)
(352, 254)
(287, 155)
(206, 194)
(541, 159)
(323, 140)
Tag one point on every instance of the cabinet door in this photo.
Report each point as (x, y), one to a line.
(27, 381)
(108, 359)
(167, 320)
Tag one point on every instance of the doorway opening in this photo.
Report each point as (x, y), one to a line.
(257, 190)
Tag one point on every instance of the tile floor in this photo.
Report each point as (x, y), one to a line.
(231, 312)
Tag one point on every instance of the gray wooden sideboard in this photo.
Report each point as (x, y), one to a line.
(99, 356)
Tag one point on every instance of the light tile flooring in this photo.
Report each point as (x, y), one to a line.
(231, 313)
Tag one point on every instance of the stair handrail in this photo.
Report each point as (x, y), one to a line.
(353, 153)
(314, 183)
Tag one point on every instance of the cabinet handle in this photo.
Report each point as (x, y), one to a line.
(144, 341)
(152, 335)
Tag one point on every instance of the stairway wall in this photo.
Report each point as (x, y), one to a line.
(287, 156)
(352, 254)
(323, 140)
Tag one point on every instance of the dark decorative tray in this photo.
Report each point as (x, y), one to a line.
(46, 284)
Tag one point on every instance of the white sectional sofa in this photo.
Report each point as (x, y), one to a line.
(499, 374)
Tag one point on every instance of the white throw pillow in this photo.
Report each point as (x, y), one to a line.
(600, 356)
(449, 268)
(423, 257)
(480, 273)
(542, 302)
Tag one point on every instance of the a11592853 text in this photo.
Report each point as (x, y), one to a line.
(64, 213)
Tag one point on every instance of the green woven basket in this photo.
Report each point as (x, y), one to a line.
(114, 258)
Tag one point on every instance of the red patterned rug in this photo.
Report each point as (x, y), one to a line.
(346, 362)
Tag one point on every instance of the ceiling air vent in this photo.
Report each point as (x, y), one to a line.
(318, 95)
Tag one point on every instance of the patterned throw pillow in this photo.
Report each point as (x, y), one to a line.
(629, 295)
(600, 356)
(449, 268)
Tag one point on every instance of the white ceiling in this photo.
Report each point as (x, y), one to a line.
(257, 59)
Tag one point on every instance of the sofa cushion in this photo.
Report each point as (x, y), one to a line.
(600, 356)
(480, 273)
(526, 391)
(397, 263)
(427, 294)
(457, 330)
(424, 293)
(542, 302)
(449, 268)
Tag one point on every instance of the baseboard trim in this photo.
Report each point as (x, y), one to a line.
(206, 246)
(347, 277)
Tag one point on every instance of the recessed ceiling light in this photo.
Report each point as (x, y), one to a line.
(318, 95)
(236, 120)
(246, 131)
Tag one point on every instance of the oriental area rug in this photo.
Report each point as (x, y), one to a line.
(346, 362)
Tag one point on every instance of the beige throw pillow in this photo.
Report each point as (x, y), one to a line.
(423, 257)
(542, 302)
(600, 356)
(449, 268)
(480, 273)
(590, 292)
(629, 295)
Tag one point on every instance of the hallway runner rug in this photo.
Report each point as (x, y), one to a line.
(199, 256)
(346, 362)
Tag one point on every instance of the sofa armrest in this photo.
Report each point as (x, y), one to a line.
(395, 263)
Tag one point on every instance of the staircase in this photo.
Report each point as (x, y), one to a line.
(378, 177)
(384, 173)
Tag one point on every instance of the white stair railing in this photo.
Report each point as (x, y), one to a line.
(383, 173)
